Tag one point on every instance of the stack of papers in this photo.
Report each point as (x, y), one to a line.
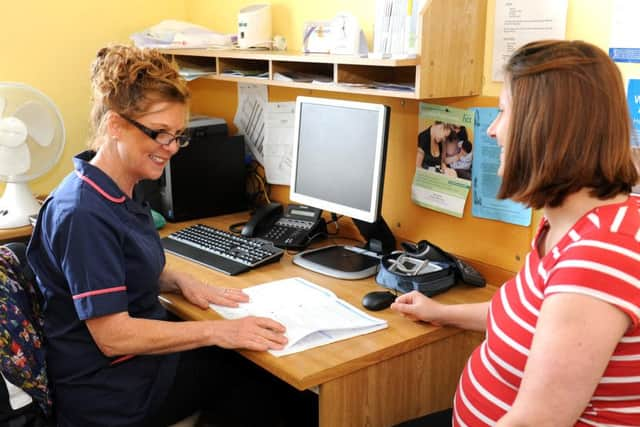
(191, 70)
(246, 73)
(172, 34)
(313, 315)
(389, 38)
(406, 87)
(192, 73)
(301, 77)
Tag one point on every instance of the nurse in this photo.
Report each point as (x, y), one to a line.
(113, 357)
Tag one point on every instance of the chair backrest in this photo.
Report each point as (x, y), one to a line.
(19, 249)
(22, 360)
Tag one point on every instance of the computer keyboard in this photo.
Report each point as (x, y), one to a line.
(223, 251)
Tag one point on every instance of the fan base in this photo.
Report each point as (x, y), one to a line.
(17, 204)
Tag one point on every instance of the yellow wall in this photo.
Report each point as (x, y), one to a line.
(50, 46)
(588, 20)
(492, 242)
(288, 16)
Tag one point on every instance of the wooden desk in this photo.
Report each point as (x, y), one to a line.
(379, 379)
(19, 234)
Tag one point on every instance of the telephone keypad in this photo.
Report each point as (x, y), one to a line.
(289, 233)
(294, 223)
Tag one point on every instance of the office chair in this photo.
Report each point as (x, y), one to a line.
(21, 356)
(19, 294)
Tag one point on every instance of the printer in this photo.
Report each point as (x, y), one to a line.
(206, 178)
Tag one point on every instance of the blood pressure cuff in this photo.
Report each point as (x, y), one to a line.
(429, 283)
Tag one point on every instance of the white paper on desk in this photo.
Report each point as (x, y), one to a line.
(518, 22)
(313, 315)
(278, 143)
(250, 116)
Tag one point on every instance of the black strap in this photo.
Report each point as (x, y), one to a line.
(5, 405)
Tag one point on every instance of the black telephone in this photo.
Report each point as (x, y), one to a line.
(291, 230)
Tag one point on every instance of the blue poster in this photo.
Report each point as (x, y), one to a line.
(485, 179)
(633, 99)
(624, 54)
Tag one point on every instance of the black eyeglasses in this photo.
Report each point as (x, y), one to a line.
(160, 136)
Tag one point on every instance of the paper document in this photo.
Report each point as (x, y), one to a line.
(518, 22)
(313, 315)
(300, 77)
(278, 143)
(173, 34)
(390, 28)
(252, 103)
(257, 74)
(192, 73)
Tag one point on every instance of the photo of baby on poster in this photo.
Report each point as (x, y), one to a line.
(443, 159)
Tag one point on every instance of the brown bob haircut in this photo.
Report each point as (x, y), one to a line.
(569, 126)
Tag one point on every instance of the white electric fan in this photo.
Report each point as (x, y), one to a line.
(31, 141)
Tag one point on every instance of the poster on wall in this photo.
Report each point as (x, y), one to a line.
(278, 142)
(486, 181)
(518, 22)
(624, 45)
(250, 117)
(444, 159)
(633, 100)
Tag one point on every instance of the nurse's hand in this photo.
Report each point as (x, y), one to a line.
(252, 333)
(202, 294)
(199, 293)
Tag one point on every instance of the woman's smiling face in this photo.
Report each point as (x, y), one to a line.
(144, 158)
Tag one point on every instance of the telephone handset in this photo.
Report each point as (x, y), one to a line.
(263, 219)
(291, 230)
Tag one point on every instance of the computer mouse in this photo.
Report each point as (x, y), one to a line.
(378, 300)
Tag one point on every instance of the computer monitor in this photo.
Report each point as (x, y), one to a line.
(338, 165)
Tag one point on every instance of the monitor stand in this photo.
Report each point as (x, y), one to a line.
(351, 262)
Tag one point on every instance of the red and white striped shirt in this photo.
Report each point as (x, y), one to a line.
(599, 257)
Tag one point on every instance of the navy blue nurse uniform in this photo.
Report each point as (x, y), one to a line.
(96, 252)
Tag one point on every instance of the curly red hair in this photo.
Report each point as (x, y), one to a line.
(127, 80)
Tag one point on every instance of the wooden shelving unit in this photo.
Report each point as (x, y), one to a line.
(449, 63)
